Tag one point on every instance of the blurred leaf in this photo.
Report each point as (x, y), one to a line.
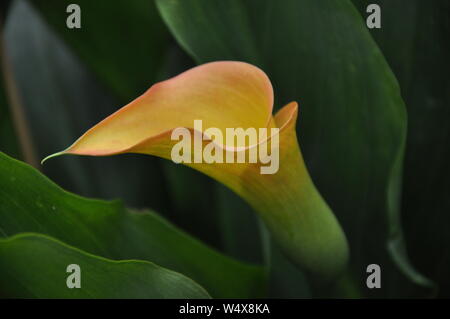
(352, 119)
(34, 266)
(285, 280)
(4, 7)
(31, 203)
(8, 140)
(194, 202)
(241, 234)
(55, 88)
(123, 42)
(417, 48)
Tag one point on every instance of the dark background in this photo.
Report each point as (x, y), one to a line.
(68, 80)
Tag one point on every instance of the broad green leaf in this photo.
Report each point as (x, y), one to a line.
(417, 48)
(35, 266)
(352, 118)
(29, 202)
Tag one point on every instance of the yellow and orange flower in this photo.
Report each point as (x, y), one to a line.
(223, 95)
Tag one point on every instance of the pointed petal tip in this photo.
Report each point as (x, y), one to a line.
(53, 155)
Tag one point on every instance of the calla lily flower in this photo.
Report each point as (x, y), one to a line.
(223, 95)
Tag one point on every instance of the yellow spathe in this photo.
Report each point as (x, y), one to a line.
(229, 94)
